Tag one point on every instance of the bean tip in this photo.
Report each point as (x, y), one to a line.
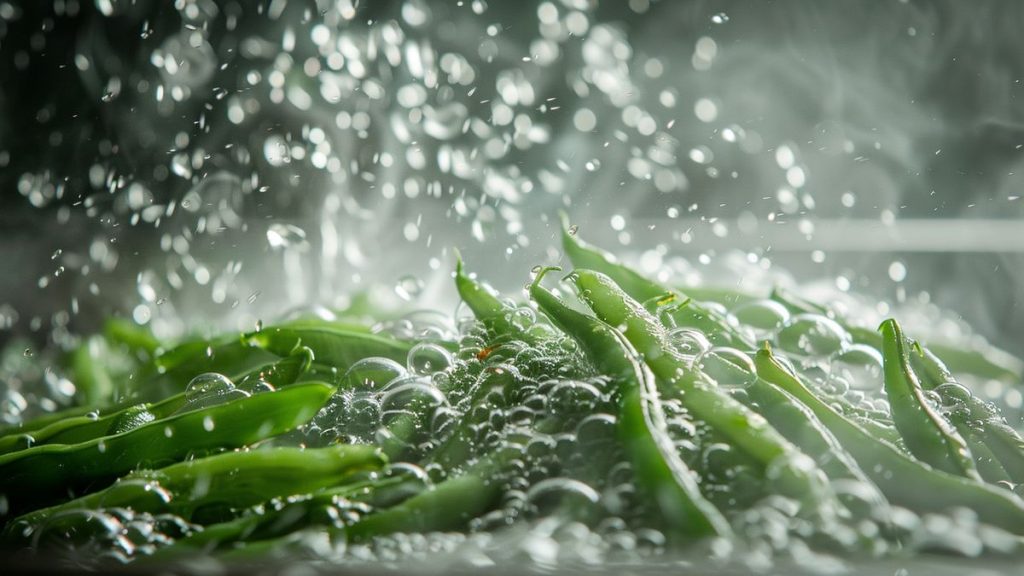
(543, 270)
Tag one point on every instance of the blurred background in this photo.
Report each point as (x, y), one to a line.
(202, 164)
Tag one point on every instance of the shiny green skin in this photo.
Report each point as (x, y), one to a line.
(641, 423)
(927, 435)
(78, 429)
(747, 430)
(804, 429)
(48, 474)
(978, 421)
(674, 307)
(215, 484)
(904, 481)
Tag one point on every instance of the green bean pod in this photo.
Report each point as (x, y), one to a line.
(927, 435)
(47, 474)
(641, 423)
(796, 474)
(174, 369)
(447, 506)
(78, 429)
(300, 512)
(977, 420)
(495, 314)
(990, 363)
(904, 481)
(673, 306)
(804, 429)
(209, 486)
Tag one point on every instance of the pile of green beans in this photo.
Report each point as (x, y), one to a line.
(655, 418)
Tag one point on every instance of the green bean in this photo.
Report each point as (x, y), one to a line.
(447, 506)
(985, 460)
(990, 363)
(77, 429)
(316, 509)
(796, 475)
(495, 314)
(207, 487)
(135, 338)
(229, 356)
(331, 346)
(46, 474)
(40, 422)
(804, 429)
(904, 481)
(928, 435)
(641, 423)
(93, 382)
(675, 307)
(977, 420)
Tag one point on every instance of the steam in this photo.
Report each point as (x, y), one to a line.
(389, 132)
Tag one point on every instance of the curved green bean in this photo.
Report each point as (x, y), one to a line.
(209, 486)
(795, 474)
(641, 423)
(904, 481)
(928, 435)
(47, 474)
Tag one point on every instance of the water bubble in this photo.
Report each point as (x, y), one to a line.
(373, 372)
(689, 342)
(286, 236)
(572, 397)
(729, 367)
(414, 397)
(210, 389)
(549, 493)
(409, 287)
(426, 358)
(859, 365)
(762, 315)
(444, 122)
(897, 271)
(812, 335)
(207, 384)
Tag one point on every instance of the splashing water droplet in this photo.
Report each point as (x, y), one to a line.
(207, 384)
(426, 358)
(286, 236)
(409, 287)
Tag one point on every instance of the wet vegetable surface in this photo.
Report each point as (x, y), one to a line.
(615, 412)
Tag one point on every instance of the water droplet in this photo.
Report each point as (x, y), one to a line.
(762, 315)
(897, 271)
(573, 229)
(426, 358)
(209, 389)
(812, 335)
(409, 287)
(372, 372)
(859, 365)
(286, 236)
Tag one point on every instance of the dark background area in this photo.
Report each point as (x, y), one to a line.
(912, 107)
